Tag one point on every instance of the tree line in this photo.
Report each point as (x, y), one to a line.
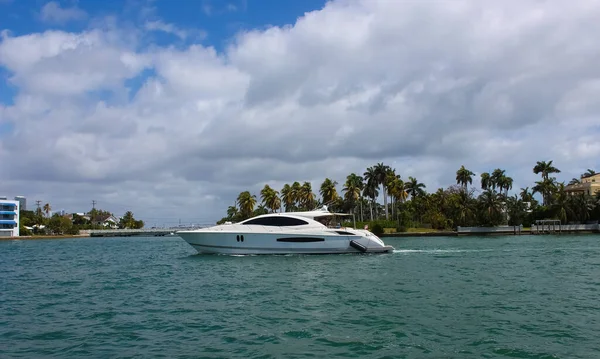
(43, 223)
(406, 203)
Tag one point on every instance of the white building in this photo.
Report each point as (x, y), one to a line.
(9, 218)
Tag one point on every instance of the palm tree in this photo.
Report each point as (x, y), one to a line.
(497, 178)
(128, 221)
(466, 208)
(581, 206)
(232, 211)
(414, 188)
(370, 189)
(296, 194)
(464, 177)
(274, 202)
(400, 188)
(381, 172)
(397, 191)
(515, 209)
(589, 173)
(47, 209)
(440, 199)
(246, 203)
(270, 198)
(353, 189)
(526, 196)
(486, 181)
(287, 197)
(389, 182)
(328, 192)
(306, 196)
(260, 210)
(507, 183)
(491, 204)
(575, 181)
(561, 203)
(545, 187)
(545, 168)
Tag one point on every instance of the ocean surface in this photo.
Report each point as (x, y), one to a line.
(488, 297)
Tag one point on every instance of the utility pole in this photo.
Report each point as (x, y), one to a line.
(38, 212)
(93, 212)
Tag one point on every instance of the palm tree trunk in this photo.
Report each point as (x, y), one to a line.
(385, 202)
(361, 210)
(371, 208)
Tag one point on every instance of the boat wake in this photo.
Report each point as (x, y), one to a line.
(440, 251)
(446, 251)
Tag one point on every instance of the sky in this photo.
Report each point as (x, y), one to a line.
(171, 108)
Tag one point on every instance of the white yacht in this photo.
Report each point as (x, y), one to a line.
(284, 233)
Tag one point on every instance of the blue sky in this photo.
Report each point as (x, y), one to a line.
(221, 19)
(171, 108)
(216, 21)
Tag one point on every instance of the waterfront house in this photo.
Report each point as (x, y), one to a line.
(589, 185)
(9, 218)
(108, 221)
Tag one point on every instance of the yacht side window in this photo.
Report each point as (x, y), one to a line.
(276, 221)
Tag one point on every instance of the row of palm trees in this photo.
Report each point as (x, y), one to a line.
(409, 201)
(300, 197)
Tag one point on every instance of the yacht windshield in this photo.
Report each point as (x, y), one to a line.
(277, 221)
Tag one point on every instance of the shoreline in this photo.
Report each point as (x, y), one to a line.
(480, 234)
(64, 236)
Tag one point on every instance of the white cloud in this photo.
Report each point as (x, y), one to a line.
(425, 87)
(60, 64)
(168, 28)
(210, 8)
(52, 12)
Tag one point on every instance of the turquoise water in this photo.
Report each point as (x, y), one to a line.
(495, 297)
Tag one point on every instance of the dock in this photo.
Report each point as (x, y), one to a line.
(540, 227)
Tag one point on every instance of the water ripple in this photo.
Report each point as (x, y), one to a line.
(500, 297)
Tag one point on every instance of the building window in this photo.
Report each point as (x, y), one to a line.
(276, 221)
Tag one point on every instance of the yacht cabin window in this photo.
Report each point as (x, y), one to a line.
(276, 221)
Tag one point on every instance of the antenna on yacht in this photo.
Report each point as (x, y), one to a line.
(324, 206)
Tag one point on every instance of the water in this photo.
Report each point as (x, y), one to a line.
(495, 297)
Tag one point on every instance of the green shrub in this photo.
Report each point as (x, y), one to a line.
(377, 229)
(400, 229)
(24, 231)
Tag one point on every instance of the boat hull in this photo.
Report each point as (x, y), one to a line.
(219, 242)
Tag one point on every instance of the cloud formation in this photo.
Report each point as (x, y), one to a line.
(52, 12)
(422, 86)
(158, 25)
